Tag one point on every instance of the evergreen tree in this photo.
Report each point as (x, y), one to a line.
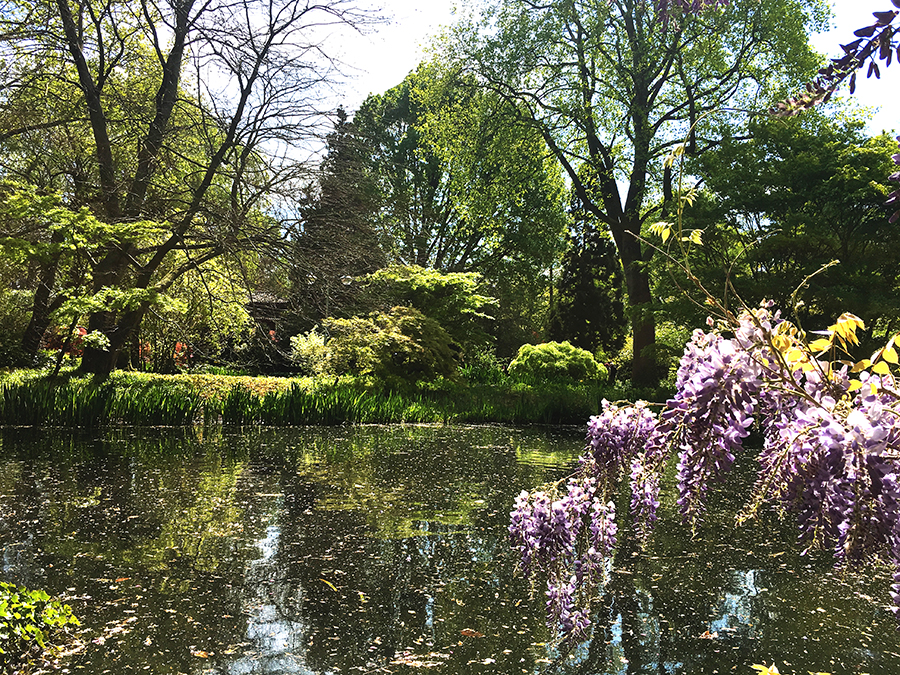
(589, 310)
(337, 241)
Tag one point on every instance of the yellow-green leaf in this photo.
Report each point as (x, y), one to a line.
(881, 368)
(820, 345)
(855, 385)
(861, 365)
(890, 355)
(793, 355)
(766, 670)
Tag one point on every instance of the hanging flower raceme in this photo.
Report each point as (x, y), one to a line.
(831, 447)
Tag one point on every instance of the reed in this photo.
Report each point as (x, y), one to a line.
(140, 400)
(155, 405)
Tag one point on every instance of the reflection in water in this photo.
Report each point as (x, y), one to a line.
(384, 550)
(277, 642)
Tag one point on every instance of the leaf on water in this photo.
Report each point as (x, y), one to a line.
(200, 654)
(415, 661)
(329, 584)
(470, 632)
(706, 635)
(764, 670)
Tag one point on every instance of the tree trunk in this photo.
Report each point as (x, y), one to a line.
(637, 285)
(42, 305)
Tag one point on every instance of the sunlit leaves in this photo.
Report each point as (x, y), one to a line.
(845, 329)
(662, 229)
(766, 670)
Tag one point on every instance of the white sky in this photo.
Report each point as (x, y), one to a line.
(382, 59)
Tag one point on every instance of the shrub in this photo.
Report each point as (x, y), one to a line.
(400, 345)
(483, 367)
(14, 314)
(30, 624)
(556, 361)
(309, 353)
(454, 299)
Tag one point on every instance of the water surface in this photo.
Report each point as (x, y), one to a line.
(384, 550)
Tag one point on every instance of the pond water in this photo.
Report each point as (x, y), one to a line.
(384, 550)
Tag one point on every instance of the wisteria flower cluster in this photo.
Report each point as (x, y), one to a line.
(831, 431)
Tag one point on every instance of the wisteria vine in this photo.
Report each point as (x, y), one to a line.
(831, 431)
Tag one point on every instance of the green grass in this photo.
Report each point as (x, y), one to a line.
(29, 398)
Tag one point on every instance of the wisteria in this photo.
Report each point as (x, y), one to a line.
(831, 447)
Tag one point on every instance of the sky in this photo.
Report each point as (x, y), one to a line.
(380, 60)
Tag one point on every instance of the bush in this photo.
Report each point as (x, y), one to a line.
(454, 299)
(400, 345)
(483, 367)
(30, 624)
(556, 362)
(309, 353)
(14, 315)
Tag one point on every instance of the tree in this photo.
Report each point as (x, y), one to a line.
(228, 99)
(465, 186)
(804, 196)
(204, 311)
(800, 194)
(336, 241)
(588, 309)
(617, 85)
(46, 250)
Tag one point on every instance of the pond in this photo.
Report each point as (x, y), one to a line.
(384, 550)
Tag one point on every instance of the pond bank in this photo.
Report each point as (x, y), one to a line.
(137, 399)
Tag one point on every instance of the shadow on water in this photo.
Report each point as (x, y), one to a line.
(384, 550)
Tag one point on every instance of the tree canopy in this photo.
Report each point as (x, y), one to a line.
(191, 114)
(796, 213)
(616, 85)
(464, 184)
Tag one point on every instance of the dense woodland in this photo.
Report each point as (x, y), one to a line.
(177, 197)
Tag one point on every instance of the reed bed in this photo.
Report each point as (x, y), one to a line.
(142, 401)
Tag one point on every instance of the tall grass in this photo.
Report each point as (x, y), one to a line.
(47, 403)
(42, 403)
(139, 401)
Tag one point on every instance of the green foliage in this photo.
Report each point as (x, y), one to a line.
(556, 361)
(201, 312)
(14, 313)
(337, 241)
(464, 183)
(83, 403)
(467, 187)
(483, 367)
(402, 345)
(487, 395)
(801, 193)
(589, 310)
(309, 353)
(30, 625)
(611, 126)
(455, 300)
